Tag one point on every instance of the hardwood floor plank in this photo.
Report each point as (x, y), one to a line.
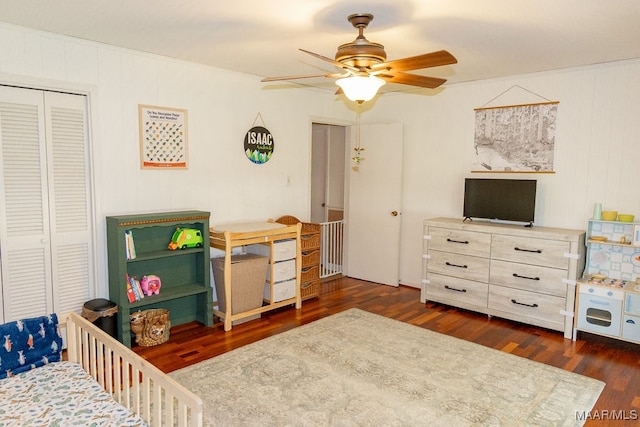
(617, 363)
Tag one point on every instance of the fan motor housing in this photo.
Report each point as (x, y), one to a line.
(361, 53)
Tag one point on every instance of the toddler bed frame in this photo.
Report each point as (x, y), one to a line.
(30, 365)
(131, 380)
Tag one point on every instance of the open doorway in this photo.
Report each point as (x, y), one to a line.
(327, 172)
(328, 145)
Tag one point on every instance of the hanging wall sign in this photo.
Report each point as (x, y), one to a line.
(258, 144)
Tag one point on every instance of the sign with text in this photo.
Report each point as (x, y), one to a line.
(258, 144)
(163, 137)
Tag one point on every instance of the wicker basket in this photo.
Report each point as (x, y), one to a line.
(310, 274)
(310, 290)
(309, 242)
(151, 326)
(311, 258)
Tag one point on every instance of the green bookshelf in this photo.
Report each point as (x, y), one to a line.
(185, 273)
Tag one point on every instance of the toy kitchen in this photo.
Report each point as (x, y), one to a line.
(608, 295)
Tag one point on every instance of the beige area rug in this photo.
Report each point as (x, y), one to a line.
(361, 369)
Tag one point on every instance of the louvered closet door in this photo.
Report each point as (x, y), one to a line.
(45, 220)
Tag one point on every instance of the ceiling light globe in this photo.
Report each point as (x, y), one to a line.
(359, 88)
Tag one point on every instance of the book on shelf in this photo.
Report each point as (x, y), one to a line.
(130, 295)
(130, 247)
(136, 290)
(138, 287)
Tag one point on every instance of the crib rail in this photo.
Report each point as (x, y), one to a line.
(131, 380)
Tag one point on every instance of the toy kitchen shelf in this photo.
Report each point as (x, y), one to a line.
(185, 273)
(608, 295)
(610, 251)
(227, 237)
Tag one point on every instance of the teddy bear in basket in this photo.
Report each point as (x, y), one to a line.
(150, 284)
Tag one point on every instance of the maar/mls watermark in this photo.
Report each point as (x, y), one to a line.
(608, 414)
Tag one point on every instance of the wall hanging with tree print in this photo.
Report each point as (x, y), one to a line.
(515, 138)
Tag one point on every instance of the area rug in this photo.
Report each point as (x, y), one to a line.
(360, 369)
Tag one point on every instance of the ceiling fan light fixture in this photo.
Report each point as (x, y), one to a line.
(360, 88)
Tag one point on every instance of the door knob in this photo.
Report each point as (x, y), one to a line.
(394, 213)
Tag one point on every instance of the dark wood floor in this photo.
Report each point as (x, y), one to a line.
(615, 362)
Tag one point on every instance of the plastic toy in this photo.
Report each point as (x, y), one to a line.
(150, 284)
(184, 238)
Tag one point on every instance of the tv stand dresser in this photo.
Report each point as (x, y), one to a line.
(526, 274)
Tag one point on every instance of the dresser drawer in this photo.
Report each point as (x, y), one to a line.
(282, 250)
(545, 309)
(528, 277)
(547, 253)
(462, 266)
(283, 270)
(460, 241)
(462, 291)
(281, 291)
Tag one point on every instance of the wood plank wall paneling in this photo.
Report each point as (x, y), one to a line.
(615, 362)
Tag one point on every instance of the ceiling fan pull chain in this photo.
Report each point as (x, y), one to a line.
(357, 158)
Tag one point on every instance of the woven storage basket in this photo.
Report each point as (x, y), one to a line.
(311, 241)
(310, 228)
(151, 326)
(310, 290)
(311, 258)
(310, 274)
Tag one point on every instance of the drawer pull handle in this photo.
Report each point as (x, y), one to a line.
(455, 265)
(454, 289)
(521, 303)
(465, 242)
(631, 322)
(536, 251)
(525, 277)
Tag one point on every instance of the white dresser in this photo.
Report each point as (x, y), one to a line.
(526, 274)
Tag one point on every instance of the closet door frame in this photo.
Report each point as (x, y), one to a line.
(55, 300)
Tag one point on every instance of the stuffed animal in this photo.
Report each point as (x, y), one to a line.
(150, 284)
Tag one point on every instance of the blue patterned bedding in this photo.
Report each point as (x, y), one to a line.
(60, 394)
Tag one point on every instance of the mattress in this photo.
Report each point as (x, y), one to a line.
(60, 393)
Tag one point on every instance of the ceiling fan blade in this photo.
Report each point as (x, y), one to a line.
(332, 61)
(413, 80)
(304, 76)
(428, 60)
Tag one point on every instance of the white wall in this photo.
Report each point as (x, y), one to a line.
(222, 106)
(597, 155)
(597, 143)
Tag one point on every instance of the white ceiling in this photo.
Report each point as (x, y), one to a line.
(490, 38)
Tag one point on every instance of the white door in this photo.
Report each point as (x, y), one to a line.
(374, 205)
(46, 225)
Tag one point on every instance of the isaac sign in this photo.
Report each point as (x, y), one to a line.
(258, 144)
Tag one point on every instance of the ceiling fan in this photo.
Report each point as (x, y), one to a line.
(365, 67)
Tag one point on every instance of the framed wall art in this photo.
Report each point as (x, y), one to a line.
(163, 137)
(515, 138)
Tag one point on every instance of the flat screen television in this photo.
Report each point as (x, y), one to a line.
(500, 199)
